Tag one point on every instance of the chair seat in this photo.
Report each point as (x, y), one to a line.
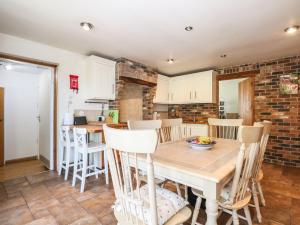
(94, 147)
(168, 205)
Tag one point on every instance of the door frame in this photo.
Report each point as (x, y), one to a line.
(248, 74)
(54, 66)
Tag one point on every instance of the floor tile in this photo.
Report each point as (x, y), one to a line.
(11, 203)
(87, 220)
(48, 220)
(16, 216)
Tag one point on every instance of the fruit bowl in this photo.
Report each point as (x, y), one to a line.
(201, 143)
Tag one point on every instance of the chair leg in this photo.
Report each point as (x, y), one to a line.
(235, 218)
(186, 192)
(68, 152)
(75, 168)
(61, 159)
(229, 222)
(256, 202)
(96, 155)
(196, 210)
(248, 215)
(106, 168)
(261, 194)
(178, 189)
(84, 168)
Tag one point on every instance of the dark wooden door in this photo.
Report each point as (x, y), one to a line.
(246, 101)
(1, 126)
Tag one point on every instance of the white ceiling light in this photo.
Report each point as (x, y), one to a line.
(170, 61)
(292, 29)
(189, 28)
(86, 26)
(8, 66)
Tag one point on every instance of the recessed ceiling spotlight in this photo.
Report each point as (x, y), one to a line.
(223, 56)
(188, 28)
(292, 29)
(8, 66)
(86, 26)
(170, 61)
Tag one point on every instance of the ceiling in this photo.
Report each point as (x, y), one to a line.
(150, 31)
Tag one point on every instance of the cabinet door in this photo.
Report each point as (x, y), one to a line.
(101, 82)
(162, 90)
(204, 87)
(178, 90)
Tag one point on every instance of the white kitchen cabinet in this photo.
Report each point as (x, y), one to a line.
(202, 87)
(101, 78)
(162, 90)
(192, 88)
(177, 90)
(191, 130)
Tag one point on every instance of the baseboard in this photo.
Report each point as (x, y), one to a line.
(21, 159)
(45, 161)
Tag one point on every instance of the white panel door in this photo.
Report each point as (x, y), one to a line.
(178, 90)
(45, 114)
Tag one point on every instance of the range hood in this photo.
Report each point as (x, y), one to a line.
(96, 101)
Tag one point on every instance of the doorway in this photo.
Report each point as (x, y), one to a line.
(236, 98)
(28, 108)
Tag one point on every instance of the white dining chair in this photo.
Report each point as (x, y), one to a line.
(67, 143)
(236, 194)
(224, 128)
(85, 149)
(258, 173)
(144, 124)
(127, 152)
(171, 130)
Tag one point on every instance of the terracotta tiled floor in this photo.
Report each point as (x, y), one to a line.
(47, 199)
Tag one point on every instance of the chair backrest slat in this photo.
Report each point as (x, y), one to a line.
(224, 128)
(65, 136)
(80, 138)
(263, 145)
(249, 137)
(144, 124)
(127, 145)
(171, 130)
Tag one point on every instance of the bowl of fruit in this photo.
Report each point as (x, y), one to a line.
(201, 143)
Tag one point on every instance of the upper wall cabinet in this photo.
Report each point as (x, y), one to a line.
(162, 90)
(192, 88)
(101, 78)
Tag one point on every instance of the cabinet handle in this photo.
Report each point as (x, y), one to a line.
(190, 95)
(195, 94)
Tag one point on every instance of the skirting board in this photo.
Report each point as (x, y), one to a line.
(21, 159)
(45, 161)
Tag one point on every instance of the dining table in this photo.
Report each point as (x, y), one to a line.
(206, 170)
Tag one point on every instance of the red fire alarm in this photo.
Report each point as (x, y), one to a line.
(74, 85)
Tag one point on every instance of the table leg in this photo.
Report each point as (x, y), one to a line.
(211, 211)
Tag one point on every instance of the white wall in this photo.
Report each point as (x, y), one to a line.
(229, 93)
(20, 114)
(69, 63)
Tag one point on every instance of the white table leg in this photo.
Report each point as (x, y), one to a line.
(211, 211)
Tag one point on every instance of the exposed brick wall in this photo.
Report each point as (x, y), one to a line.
(193, 112)
(282, 110)
(148, 92)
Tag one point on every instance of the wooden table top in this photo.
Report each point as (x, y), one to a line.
(212, 164)
(98, 127)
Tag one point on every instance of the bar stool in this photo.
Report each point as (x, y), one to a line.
(85, 149)
(67, 147)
